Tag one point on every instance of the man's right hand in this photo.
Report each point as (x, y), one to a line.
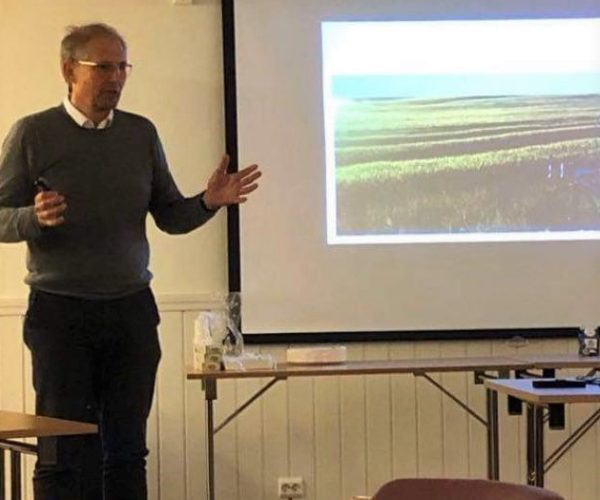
(49, 208)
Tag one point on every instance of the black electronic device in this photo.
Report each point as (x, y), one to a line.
(557, 384)
(42, 184)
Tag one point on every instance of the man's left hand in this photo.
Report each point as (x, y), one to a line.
(226, 189)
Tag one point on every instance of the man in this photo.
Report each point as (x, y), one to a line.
(91, 321)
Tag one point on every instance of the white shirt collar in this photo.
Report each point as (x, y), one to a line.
(82, 120)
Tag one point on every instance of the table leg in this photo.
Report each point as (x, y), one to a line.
(210, 394)
(493, 467)
(15, 475)
(539, 445)
(2, 482)
(535, 445)
(530, 446)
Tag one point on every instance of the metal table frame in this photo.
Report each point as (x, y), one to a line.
(482, 368)
(546, 406)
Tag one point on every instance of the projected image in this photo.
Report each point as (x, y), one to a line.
(462, 130)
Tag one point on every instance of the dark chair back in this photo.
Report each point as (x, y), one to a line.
(460, 489)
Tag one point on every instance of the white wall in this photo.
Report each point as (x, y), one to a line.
(176, 82)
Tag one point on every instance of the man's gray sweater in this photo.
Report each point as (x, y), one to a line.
(111, 179)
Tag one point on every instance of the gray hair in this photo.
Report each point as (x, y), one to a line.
(77, 38)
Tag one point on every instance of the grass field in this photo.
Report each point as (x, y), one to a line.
(479, 164)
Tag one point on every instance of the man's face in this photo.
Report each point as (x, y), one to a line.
(94, 90)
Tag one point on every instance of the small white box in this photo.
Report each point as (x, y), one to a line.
(249, 361)
(317, 355)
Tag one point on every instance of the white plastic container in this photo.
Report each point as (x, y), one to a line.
(202, 339)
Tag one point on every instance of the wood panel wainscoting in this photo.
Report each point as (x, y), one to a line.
(344, 436)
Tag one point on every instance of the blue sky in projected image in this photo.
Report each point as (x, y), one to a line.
(424, 59)
(423, 86)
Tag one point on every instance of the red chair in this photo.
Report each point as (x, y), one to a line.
(460, 489)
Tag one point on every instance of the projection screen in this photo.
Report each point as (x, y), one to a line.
(428, 165)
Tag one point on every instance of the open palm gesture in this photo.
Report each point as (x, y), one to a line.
(226, 189)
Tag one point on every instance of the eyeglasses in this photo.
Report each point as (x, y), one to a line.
(107, 68)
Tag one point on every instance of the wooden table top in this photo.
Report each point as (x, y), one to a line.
(21, 425)
(415, 366)
(524, 390)
(560, 360)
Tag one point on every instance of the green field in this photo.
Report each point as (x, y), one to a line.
(481, 164)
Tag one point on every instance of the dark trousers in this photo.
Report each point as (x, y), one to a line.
(93, 361)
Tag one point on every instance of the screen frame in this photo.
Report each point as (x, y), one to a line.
(234, 238)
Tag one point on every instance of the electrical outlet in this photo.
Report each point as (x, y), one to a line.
(290, 487)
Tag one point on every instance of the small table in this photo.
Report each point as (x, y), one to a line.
(481, 366)
(538, 399)
(21, 425)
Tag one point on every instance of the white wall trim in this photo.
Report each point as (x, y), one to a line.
(172, 302)
(11, 306)
(189, 302)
